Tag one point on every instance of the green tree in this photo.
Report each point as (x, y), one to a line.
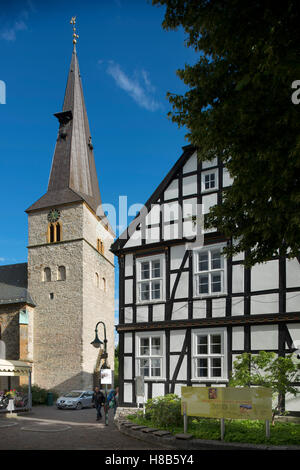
(266, 369)
(238, 108)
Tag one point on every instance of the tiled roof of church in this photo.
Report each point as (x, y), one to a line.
(13, 285)
(73, 174)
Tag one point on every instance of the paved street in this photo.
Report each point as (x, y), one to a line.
(47, 428)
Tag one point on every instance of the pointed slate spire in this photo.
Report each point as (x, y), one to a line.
(73, 174)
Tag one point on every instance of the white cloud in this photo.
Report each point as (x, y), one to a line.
(9, 33)
(139, 87)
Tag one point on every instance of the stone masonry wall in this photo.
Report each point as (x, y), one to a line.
(98, 296)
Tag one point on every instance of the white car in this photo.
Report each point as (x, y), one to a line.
(76, 400)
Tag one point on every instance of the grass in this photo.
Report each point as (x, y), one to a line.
(243, 431)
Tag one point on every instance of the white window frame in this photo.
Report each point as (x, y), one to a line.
(223, 270)
(161, 356)
(140, 281)
(209, 172)
(209, 356)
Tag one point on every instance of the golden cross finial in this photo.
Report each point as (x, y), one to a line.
(75, 36)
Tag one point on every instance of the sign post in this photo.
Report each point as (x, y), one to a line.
(227, 402)
(140, 391)
(106, 379)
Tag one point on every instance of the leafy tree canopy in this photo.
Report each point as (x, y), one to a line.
(238, 108)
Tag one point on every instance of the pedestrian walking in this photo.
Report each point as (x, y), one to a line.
(112, 399)
(99, 400)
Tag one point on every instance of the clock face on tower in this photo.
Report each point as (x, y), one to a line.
(53, 215)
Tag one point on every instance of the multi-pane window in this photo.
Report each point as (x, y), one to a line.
(210, 180)
(150, 279)
(209, 271)
(209, 362)
(150, 356)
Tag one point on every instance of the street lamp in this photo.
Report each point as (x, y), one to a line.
(97, 343)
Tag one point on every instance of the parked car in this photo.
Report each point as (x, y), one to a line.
(76, 399)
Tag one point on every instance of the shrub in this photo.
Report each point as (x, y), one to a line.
(39, 395)
(164, 411)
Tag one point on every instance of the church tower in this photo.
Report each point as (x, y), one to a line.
(70, 267)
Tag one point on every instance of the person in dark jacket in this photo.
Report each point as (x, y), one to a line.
(98, 399)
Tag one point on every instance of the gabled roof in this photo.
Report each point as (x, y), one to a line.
(117, 246)
(13, 285)
(73, 174)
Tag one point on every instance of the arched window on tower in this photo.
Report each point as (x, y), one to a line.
(104, 284)
(47, 275)
(96, 279)
(62, 273)
(54, 232)
(58, 231)
(51, 233)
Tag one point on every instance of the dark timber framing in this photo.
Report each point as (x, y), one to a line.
(173, 303)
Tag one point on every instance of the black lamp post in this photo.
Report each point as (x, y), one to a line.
(97, 344)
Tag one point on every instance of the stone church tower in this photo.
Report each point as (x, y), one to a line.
(70, 267)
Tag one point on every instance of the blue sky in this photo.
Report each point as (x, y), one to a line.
(127, 62)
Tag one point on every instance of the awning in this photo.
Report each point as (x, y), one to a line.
(14, 368)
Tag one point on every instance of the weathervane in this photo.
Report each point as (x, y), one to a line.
(75, 36)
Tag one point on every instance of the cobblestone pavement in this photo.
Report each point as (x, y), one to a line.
(46, 428)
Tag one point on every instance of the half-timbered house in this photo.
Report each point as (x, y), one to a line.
(185, 310)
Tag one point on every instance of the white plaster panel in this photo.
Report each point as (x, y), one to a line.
(189, 229)
(191, 164)
(180, 311)
(266, 303)
(177, 389)
(172, 190)
(189, 207)
(128, 315)
(264, 337)
(142, 314)
(208, 201)
(127, 343)
(152, 235)
(127, 368)
(128, 265)
(171, 211)
(227, 180)
(294, 330)
(199, 309)
(153, 217)
(237, 278)
(158, 312)
(177, 254)
(218, 307)
(265, 276)
(176, 340)
(171, 232)
(237, 306)
(158, 390)
(237, 338)
(128, 291)
(292, 273)
(183, 286)
(134, 240)
(293, 301)
(127, 392)
(209, 164)
(189, 185)
(292, 403)
(182, 371)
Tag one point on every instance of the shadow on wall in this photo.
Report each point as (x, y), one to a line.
(82, 381)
